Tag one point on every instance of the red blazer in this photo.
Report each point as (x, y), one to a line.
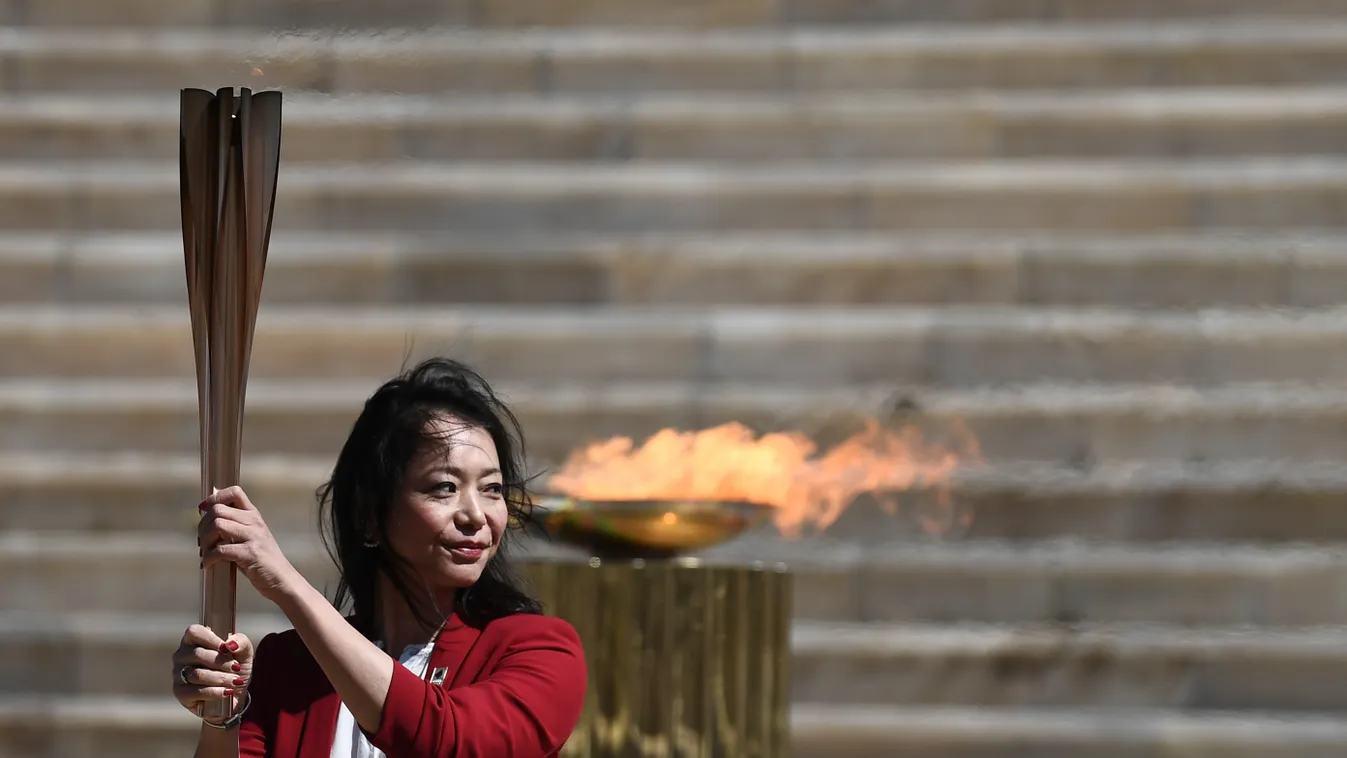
(514, 690)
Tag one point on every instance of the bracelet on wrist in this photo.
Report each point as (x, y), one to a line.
(234, 720)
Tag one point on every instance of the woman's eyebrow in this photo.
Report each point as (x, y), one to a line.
(460, 473)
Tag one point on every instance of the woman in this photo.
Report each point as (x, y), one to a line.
(415, 517)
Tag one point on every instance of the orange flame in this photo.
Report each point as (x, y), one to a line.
(730, 462)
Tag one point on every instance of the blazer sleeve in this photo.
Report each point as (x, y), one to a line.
(526, 706)
(259, 720)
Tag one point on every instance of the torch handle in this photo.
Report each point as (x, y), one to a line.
(218, 609)
(219, 597)
(219, 613)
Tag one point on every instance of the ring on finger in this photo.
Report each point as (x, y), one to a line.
(182, 674)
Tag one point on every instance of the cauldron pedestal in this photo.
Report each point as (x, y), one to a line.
(686, 660)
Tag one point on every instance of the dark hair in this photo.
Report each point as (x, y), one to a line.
(354, 504)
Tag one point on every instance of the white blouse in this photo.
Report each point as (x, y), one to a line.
(349, 741)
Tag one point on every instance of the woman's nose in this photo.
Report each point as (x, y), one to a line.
(471, 514)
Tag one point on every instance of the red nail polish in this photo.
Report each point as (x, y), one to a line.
(228, 693)
(240, 681)
(237, 668)
(232, 645)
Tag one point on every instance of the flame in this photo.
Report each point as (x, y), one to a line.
(786, 470)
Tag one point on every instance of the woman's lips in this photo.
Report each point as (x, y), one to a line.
(466, 553)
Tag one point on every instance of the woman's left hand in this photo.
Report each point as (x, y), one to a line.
(232, 531)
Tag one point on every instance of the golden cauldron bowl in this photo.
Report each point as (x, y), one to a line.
(646, 528)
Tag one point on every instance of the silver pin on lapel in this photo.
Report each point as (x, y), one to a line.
(438, 675)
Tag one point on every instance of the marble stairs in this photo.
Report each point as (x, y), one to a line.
(1107, 235)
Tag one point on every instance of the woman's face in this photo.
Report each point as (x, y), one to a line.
(450, 515)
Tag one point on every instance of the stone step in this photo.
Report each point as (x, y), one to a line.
(832, 731)
(930, 582)
(1077, 426)
(733, 128)
(700, 13)
(841, 664)
(104, 654)
(1205, 53)
(982, 11)
(1248, 195)
(38, 726)
(1059, 581)
(1140, 272)
(1151, 502)
(1127, 667)
(96, 727)
(782, 347)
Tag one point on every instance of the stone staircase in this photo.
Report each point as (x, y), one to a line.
(1108, 235)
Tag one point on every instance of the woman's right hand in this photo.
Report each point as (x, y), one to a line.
(209, 669)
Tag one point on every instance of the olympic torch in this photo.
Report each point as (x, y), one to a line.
(228, 158)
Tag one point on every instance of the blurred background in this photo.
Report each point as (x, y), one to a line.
(1103, 236)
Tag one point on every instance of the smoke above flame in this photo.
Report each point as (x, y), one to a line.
(809, 488)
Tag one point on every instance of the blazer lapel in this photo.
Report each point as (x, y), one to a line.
(446, 663)
(320, 724)
(446, 660)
